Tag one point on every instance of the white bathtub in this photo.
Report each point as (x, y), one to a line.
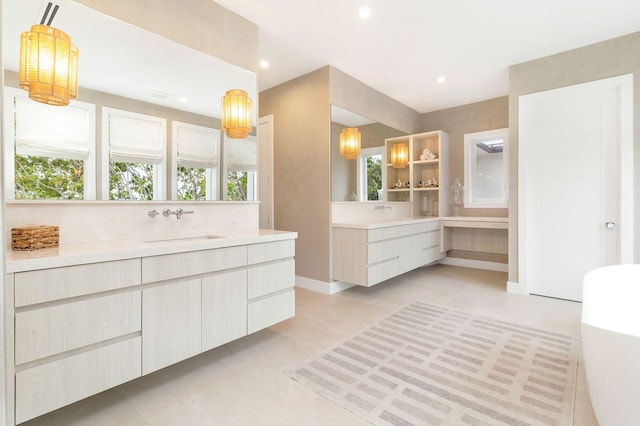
(611, 343)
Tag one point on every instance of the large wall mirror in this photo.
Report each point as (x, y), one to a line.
(144, 81)
(358, 179)
(485, 169)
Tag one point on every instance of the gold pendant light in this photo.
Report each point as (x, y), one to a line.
(236, 114)
(350, 143)
(48, 65)
(399, 155)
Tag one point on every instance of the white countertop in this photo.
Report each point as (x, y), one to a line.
(383, 223)
(102, 251)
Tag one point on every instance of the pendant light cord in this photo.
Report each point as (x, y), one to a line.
(46, 13)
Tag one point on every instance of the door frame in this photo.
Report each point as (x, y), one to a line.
(265, 172)
(624, 84)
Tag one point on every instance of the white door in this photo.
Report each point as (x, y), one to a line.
(571, 188)
(265, 171)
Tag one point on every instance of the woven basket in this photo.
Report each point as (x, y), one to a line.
(34, 237)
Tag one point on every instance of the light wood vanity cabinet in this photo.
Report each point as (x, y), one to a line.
(271, 280)
(77, 333)
(369, 256)
(171, 324)
(82, 329)
(224, 308)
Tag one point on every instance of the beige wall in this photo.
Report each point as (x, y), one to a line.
(602, 60)
(302, 167)
(302, 154)
(476, 117)
(203, 25)
(355, 96)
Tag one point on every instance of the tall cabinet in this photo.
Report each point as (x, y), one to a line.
(424, 180)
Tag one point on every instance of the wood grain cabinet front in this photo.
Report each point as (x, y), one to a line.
(224, 308)
(82, 329)
(171, 323)
(369, 256)
(77, 333)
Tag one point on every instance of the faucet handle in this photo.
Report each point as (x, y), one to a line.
(153, 212)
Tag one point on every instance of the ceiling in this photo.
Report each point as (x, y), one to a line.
(406, 45)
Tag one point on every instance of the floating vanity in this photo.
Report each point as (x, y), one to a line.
(369, 252)
(91, 316)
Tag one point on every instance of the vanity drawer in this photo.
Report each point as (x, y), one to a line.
(49, 386)
(55, 329)
(270, 278)
(271, 310)
(400, 230)
(267, 252)
(60, 283)
(180, 265)
(383, 271)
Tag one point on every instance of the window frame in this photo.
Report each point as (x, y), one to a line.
(212, 173)
(361, 172)
(89, 178)
(159, 170)
(470, 142)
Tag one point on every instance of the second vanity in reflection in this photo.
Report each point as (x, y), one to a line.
(89, 317)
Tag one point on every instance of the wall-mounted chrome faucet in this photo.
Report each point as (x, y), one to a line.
(178, 213)
(381, 207)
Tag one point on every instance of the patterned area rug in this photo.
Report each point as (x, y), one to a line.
(432, 365)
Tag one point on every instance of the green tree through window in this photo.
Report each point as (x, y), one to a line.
(374, 176)
(46, 178)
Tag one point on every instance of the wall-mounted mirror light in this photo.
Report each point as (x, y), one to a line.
(485, 169)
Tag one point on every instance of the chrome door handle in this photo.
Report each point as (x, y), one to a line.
(610, 225)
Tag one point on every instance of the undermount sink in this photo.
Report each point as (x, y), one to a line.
(178, 239)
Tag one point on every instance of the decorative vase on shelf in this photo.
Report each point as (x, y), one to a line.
(456, 197)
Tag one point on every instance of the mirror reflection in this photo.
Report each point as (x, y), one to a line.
(485, 169)
(149, 111)
(358, 179)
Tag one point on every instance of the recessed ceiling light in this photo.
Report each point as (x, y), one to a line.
(183, 99)
(264, 64)
(441, 79)
(364, 12)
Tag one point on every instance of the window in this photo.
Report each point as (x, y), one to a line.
(241, 169)
(134, 156)
(370, 174)
(195, 162)
(485, 169)
(50, 150)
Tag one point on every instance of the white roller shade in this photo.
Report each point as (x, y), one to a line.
(241, 154)
(136, 138)
(51, 131)
(197, 146)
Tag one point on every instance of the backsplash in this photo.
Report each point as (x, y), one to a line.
(342, 212)
(89, 221)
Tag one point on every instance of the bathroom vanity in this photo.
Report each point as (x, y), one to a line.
(369, 252)
(91, 316)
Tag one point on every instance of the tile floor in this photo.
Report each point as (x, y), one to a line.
(242, 383)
